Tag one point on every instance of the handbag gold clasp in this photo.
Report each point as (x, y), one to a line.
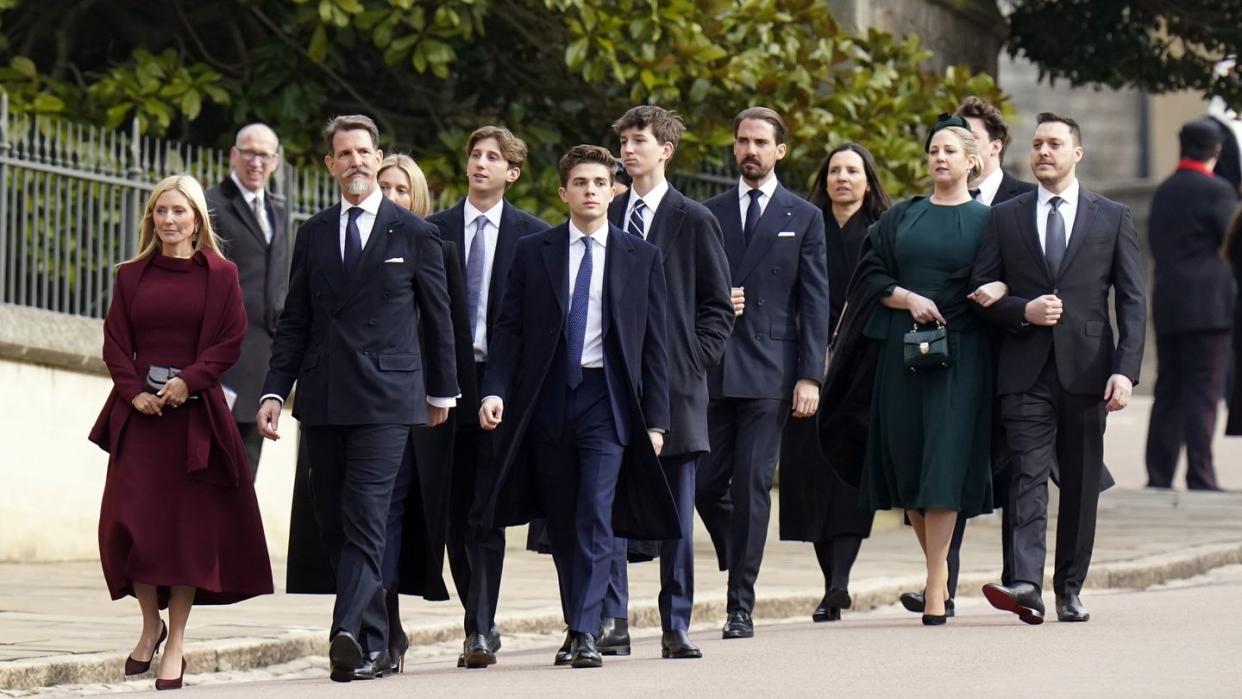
(924, 348)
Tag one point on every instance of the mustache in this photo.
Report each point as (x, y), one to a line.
(360, 170)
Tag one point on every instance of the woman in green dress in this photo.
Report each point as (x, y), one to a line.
(928, 449)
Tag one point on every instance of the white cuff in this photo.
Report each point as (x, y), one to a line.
(271, 395)
(441, 402)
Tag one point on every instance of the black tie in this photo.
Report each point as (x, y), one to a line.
(353, 238)
(752, 215)
(1054, 237)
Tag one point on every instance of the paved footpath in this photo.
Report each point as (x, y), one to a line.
(58, 627)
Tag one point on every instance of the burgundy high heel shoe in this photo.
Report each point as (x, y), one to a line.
(137, 667)
(171, 684)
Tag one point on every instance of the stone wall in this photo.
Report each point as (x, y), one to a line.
(959, 31)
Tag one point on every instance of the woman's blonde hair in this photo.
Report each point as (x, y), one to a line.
(971, 147)
(420, 195)
(204, 236)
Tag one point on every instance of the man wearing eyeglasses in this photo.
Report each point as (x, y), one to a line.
(254, 229)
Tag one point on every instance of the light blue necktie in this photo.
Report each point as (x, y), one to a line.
(474, 272)
(578, 316)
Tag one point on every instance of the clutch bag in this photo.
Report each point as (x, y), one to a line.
(927, 349)
(157, 376)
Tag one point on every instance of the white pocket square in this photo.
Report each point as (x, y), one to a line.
(394, 261)
(786, 234)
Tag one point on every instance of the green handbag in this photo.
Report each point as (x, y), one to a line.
(927, 349)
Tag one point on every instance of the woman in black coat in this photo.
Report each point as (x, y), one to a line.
(816, 505)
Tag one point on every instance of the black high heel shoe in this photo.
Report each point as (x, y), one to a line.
(398, 639)
(938, 619)
(171, 684)
(137, 667)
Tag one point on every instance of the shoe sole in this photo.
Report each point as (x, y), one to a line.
(615, 650)
(479, 659)
(668, 655)
(1073, 619)
(911, 605)
(582, 663)
(562, 662)
(729, 635)
(1006, 603)
(345, 656)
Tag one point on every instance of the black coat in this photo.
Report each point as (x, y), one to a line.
(783, 334)
(1193, 288)
(263, 269)
(526, 345)
(816, 504)
(1011, 187)
(700, 312)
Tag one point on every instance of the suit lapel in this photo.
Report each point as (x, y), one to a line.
(616, 211)
(1030, 234)
(373, 252)
(456, 220)
(666, 224)
(776, 215)
(618, 262)
(556, 263)
(731, 225)
(512, 227)
(326, 242)
(1082, 228)
(246, 214)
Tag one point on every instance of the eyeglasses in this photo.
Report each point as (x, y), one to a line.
(247, 154)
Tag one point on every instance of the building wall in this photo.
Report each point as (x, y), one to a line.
(958, 31)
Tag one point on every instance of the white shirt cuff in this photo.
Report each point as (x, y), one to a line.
(271, 395)
(441, 402)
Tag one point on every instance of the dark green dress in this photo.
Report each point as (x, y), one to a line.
(930, 440)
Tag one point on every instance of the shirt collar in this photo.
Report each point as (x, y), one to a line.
(370, 205)
(767, 187)
(600, 235)
(493, 214)
(651, 199)
(991, 185)
(249, 195)
(1070, 195)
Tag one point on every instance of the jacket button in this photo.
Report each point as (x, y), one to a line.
(760, 302)
(758, 336)
(371, 322)
(775, 270)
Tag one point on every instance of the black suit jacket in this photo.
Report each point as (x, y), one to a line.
(700, 312)
(526, 369)
(1103, 252)
(350, 340)
(263, 270)
(1193, 288)
(1011, 187)
(782, 336)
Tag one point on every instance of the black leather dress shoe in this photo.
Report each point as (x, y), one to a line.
(1021, 598)
(830, 606)
(1069, 608)
(614, 637)
(585, 652)
(375, 665)
(493, 644)
(565, 654)
(913, 602)
(477, 652)
(738, 625)
(676, 644)
(344, 655)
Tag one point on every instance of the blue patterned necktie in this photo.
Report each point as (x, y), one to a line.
(353, 238)
(752, 215)
(637, 226)
(578, 315)
(475, 257)
(1054, 237)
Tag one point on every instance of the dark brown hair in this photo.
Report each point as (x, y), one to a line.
(585, 154)
(993, 120)
(762, 114)
(875, 202)
(665, 124)
(1050, 118)
(511, 147)
(350, 122)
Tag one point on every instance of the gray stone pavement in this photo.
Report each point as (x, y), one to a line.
(58, 626)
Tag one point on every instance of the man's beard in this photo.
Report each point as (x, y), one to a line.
(358, 186)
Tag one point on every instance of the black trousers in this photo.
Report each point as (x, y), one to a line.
(353, 469)
(733, 486)
(955, 550)
(254, 445)
(836, 558)
(1190, 369)
(1047, 426)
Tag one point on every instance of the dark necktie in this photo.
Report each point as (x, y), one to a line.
(1054, 237)
(353, 238)
(475, 257)
(578, 316)
(636, 225)
(974, 193)
(752, 215)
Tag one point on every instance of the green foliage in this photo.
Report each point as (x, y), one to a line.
(557, 72)
(1154, 46)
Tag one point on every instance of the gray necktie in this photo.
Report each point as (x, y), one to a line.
(1054, 237)
(261, 216)
(474, 271)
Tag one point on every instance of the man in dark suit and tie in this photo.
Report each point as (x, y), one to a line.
(1059, 249)
(366, 275)
(1192, 308)
(255, 232)
(993, 186)
(578, 371)
(700, 317)
(774, 359)
(486, 227)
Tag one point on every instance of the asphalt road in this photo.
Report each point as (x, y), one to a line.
(1177, 640)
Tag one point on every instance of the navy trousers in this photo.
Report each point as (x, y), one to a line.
(676, 598)
(353, 470)
(576, 478)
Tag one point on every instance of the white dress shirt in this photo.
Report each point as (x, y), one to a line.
(651, 202)
(990, 186)
(593, 342)
(250, 197)
(491, 232)
(1068, 209)
(366, 220)
(743, 193)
